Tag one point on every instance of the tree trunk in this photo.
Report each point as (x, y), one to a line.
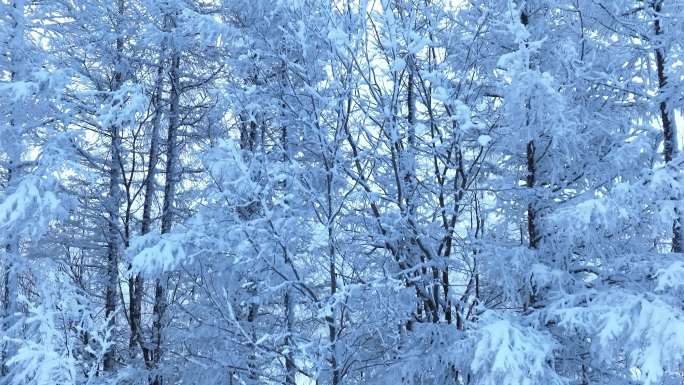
(669, 126)
(290, 368)
(10, 273)
(532, 234)
(113, 203)
(137, 282)
(172, 179)
(332, 318)
(10, 293)
(248, 143)
(251, 358)
(288, 300)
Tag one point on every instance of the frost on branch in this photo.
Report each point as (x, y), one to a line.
(29, 208)
(508, 353)
(50, 339)
(645, 329)
(670, 277)
(153, 254)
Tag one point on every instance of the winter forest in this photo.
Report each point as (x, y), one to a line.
(341, 192)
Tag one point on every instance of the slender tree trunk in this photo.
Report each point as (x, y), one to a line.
(137, 283)
(113, 203)
(172, 149)
(332, 318)
(251, 359)
(172, 180)
(10, 275)
(248, 143)
(532, 233)
(288, 300)
(290, 368)
(9, 305)
(113, 239)
(407, 167)
(669, 125)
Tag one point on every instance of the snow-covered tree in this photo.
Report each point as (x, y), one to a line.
(341, 192)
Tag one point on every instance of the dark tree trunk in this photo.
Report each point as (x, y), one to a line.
(113, 203)
(669, 128)
(137, 282)
(170, 185)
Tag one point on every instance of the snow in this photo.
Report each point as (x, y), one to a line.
(670, 277)
(484, 140)
(338, 38)
(398, 65)
(508, 354)
(30, 208)
(284, 227)
(463, 116)
(441, 94)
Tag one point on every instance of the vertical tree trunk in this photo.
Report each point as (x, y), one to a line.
(533, 237)
(113, 202)
(409, 156)
(172, 179)
(532, 233)
(251, 359)
(172, 149)
(669, 126)
(290, 368)
(8, 305)
(137, 283)
(10, 277)
(408, 168)
(10, 273)
(332, 318)
(248, 143)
